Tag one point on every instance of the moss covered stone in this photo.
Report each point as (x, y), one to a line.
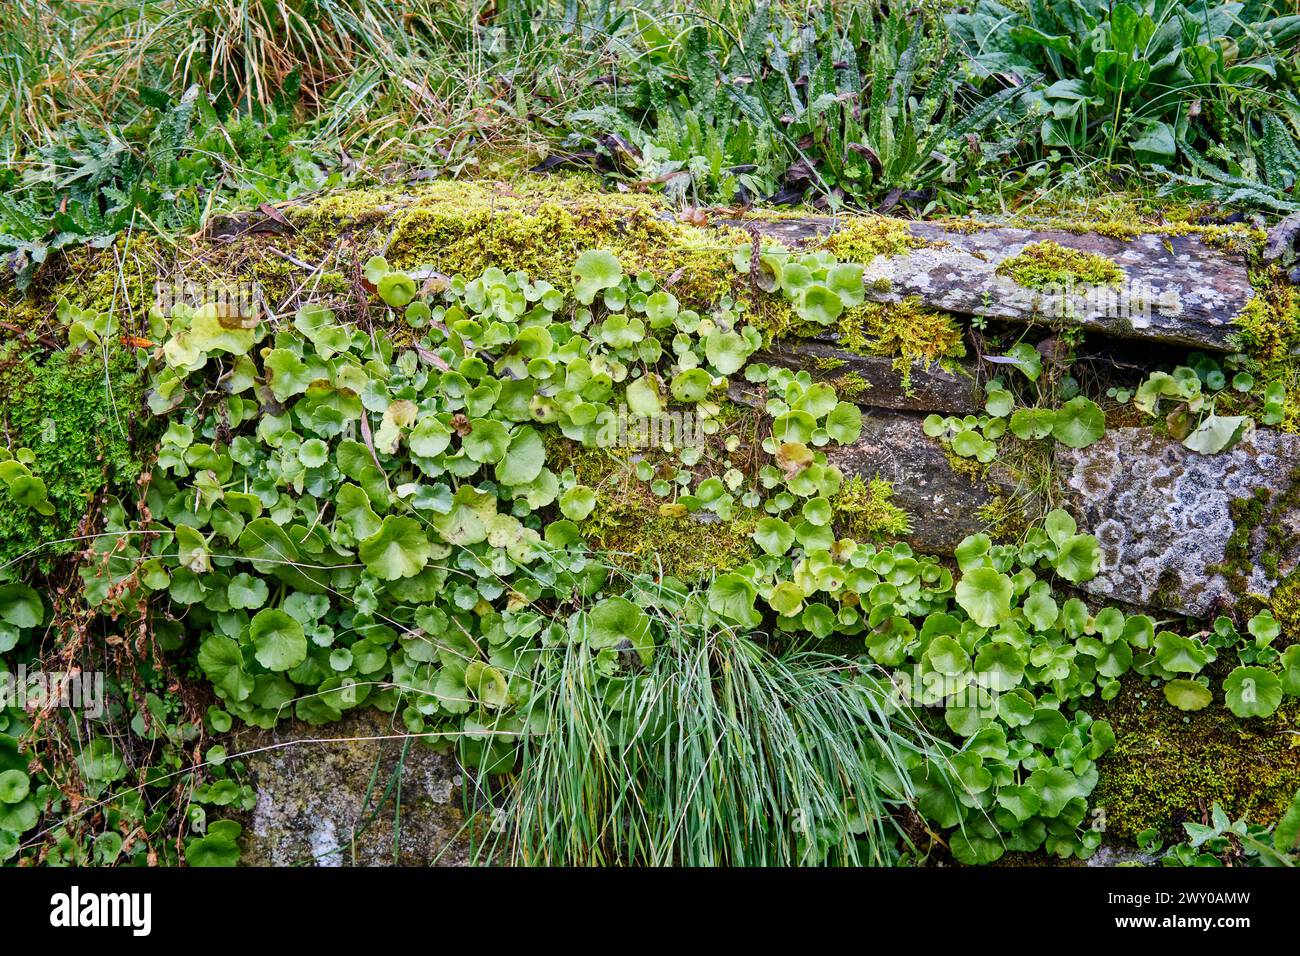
(633, 529)
(862, 239)
(78, 412)
(1043, 264)
(1169, 767)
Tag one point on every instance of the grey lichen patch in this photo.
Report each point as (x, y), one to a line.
(1164, 515)
(316, 805)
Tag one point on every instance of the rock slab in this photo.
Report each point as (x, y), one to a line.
(932, 388)
(1176, 289)
(313, 808)
(942, 504)
(1162, 514)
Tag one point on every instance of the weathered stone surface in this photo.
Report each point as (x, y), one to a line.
(933, 389)
(1161, 513)
(311, 796)
(1177, 289)
(942, 504)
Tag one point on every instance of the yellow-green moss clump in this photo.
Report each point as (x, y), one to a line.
(905, 331)
(1285, 605)
(866, 510)
(1042, 264)
(1270, 322)
(849, 385)
(539, 225)
(1004, 517)
(862, 239)
(1168, 767)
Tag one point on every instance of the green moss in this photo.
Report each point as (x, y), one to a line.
(849, 385)
(863, 238)
(828, 363)
(537, 225)
(1270, 324)
(1168, 767)
(1169, 589)
(905, 331)
(1247, 515)
(1004, 517)
(638, 538)
(865, 510)
(1285, 605)
(969, 467)
(1042, 264)
(77, 413)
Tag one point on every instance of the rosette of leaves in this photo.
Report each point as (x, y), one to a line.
(1185, 398)
(816, 284)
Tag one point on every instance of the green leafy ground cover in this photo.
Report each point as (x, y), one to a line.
(334, 520)
(396, 493)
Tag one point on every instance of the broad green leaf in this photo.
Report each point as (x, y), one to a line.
(278, 639)
(524, 458)
(1187, 694)
(619, 624)
(399, 549)
(1079, 422)
(985, 595)
(577, 503)
(1252, 691)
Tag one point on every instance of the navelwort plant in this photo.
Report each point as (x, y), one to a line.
(336, 521)
(1187, 398)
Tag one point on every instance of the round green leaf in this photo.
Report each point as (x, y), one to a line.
(774, 535)
(1188, 694)
(1252, 692)
(1079, 422)
(577, 503)
(278, 640)
(619, 624)
(20, 605)
(985, 595)
(399, 549)
(14, 786)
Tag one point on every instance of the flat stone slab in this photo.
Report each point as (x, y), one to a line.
(312, 807)
(1177, 289)
(1162, 514)
(943, 504)
(931, 388)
